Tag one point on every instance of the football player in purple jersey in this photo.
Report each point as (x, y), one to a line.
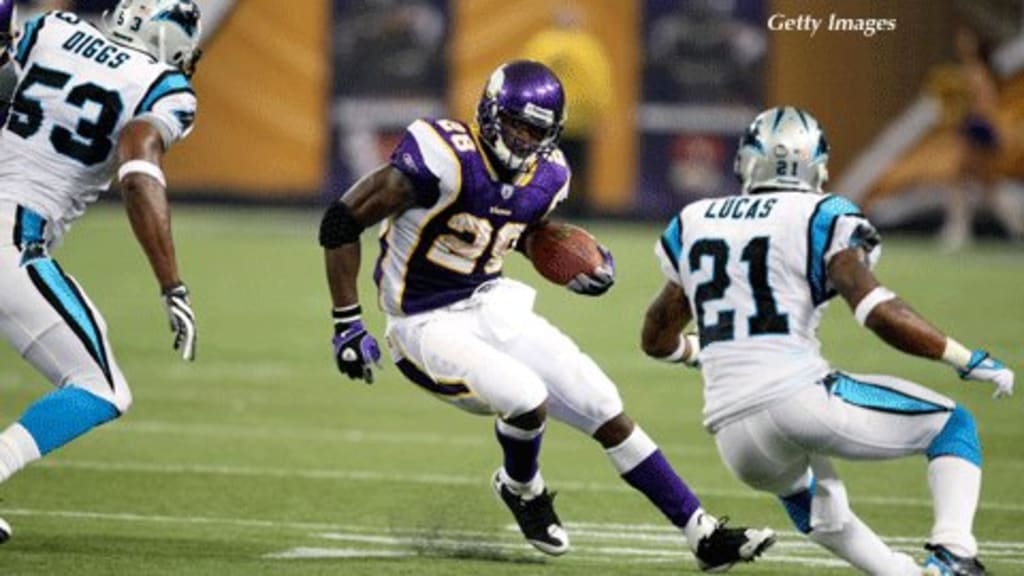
(455, 199)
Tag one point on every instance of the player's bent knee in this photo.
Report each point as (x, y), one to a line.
(65, 414)
(959, 438)
(530, 420)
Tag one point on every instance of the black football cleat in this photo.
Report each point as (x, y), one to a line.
(536, 518)
(722, 547)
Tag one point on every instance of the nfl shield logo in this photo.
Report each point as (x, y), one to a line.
(507, 190)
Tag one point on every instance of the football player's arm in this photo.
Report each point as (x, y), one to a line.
(895, 322)
(382, 193)
(667, 316)
(140, 151)
(145, 199)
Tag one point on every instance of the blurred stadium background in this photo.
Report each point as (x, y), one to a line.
(260, 459)
(660, 87)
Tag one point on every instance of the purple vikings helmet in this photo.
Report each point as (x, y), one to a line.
(521, 113)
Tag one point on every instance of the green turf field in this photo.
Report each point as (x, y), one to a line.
(261, 459)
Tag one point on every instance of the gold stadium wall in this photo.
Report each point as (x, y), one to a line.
(855, 85)
(488, 32)
(261, 128)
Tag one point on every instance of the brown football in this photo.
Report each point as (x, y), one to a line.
(560, 251)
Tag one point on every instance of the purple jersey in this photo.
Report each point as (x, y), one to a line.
(465, 220)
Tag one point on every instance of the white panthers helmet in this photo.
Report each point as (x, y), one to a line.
(784, 148)
(167, 30)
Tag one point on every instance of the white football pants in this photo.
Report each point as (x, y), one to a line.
(491, 354)
(47, 318)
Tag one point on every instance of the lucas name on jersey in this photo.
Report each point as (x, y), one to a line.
(740, 208)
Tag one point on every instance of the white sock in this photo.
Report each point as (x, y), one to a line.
(856, 543)
(698, 526)
(956, 485)
(528, 490)
(17, 450)
(632, 451)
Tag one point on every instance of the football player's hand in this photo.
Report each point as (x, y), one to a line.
(983, 367)
(599, 280)
(182, 320)
(355, 349)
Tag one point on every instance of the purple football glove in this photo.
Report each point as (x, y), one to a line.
(355, 349)
(597, 282)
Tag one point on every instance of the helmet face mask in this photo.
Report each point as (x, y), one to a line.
(783, 149)
(167, 30)
(521, 113)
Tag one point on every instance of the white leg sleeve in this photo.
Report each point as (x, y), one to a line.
(860, 546)
(17, 450)
(956, 485)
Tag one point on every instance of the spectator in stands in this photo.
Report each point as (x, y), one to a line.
(580, 60)
(981, 139)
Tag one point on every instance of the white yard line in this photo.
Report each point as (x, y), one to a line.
(305, 553)
(350, 436)
(413, 541)
(353, 436)
(446, 480)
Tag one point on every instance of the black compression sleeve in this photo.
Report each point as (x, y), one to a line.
(338, 227)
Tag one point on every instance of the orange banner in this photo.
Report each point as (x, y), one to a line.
(261, 129)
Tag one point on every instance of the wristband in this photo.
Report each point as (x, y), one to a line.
(345, 316)
(680, 353)
(142, 167)
(956, 354)
(870, 301)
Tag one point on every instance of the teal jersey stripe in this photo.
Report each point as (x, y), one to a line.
(819, 237)
(168, 83)
(28, 40)
(672, 240)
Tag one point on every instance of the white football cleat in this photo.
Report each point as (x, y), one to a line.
(5, 531)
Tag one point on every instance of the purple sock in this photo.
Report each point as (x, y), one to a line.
(664, 488)
(520, 453)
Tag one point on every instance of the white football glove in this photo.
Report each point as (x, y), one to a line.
(182, 320)
(983, 367)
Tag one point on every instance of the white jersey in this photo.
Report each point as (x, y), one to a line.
(754, 270)
(76, 91)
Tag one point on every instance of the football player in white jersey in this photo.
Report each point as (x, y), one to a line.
(87, 105)
(755, 272)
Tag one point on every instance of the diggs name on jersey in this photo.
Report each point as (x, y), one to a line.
(96, 48)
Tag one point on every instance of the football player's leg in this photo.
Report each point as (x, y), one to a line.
(580, 394)
(51, 323)
(447, 356)
(760, 454)
(882, 417)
